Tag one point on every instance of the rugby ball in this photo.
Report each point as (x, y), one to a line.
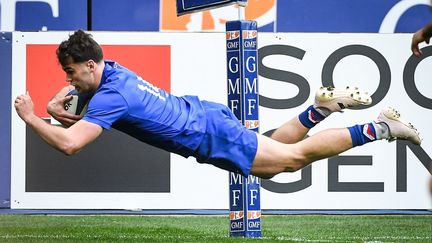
(78, 104)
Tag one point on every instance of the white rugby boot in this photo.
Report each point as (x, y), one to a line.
(334, 99)
(398, 128)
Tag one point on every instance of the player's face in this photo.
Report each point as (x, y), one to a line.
(81, 76)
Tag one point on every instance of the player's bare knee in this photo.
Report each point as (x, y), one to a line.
(294, 167)
(265, 172)
(267, 176)
(295, 161)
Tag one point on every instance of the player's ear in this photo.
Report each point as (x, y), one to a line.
(91, 64)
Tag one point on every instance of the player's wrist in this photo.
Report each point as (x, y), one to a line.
(426, 32)
(30, 118)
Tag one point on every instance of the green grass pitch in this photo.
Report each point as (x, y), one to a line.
(276, 228)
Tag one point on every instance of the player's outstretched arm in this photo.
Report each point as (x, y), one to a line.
(424, 34)
(67, 140)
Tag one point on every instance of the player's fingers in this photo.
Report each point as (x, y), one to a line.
(415, 50)
(19, 98)
(17, 101)
(26, 95)
(66, 98)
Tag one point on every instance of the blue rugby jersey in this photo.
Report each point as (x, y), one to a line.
(134, 106)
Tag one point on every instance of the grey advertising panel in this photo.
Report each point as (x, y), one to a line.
(115, 162)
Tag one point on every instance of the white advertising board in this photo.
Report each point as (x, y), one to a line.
(292, 66)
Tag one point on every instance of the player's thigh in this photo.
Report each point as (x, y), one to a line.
(274, 157)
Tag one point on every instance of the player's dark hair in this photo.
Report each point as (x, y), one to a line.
(80, 47)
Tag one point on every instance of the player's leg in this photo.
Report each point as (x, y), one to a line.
(273, 157)
(327, 101)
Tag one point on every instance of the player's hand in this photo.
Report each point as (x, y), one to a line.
(418, 38)
(56, 109)
(24, 106)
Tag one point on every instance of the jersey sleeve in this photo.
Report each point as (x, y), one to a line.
(105, 108)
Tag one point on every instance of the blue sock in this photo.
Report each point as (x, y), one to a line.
(310, 117)
(361, 134)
